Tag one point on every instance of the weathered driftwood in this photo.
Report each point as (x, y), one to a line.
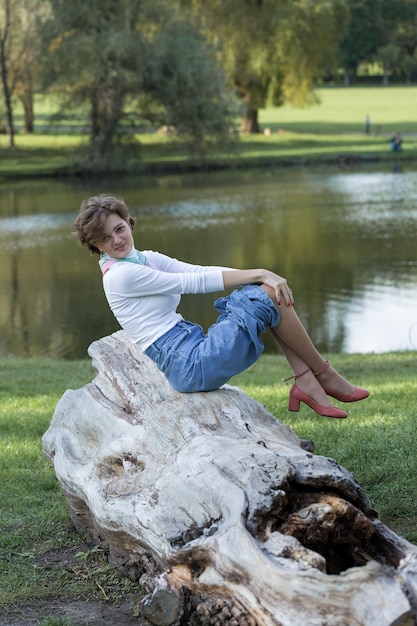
(219, 509)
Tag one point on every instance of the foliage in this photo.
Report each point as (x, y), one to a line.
(95, 57)
(308, 45)
(400, 32)
(6, 24)
(272, 52)
(390, 56)
(381, 31)
(186, 80)
(130, 62)
(133, 64)
(362, 38)
(327, 132)
(20, 56)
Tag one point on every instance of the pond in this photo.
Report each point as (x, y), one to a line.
(344, 239)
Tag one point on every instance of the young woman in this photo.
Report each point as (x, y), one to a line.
(144, 289)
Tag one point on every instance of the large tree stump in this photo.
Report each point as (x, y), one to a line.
(218, 509)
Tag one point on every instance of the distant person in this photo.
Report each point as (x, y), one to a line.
(367, 125)
(144, 288)
(396, 142)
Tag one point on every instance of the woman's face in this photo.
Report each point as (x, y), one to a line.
(116, 238)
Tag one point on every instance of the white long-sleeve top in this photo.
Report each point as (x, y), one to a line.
(144, 298)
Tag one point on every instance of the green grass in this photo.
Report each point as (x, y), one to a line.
(343, 110)
(329, 132)
(375, 442)
(43, 557)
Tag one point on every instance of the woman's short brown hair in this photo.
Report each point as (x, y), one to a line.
(93, 212)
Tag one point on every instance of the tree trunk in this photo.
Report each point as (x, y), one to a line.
(219, 509)
(249, 123)
(346, 77)
(95, 127)
(4, 77)
(106, 112)
(26, 98)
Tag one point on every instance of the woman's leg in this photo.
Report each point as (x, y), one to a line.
(300, 352)
(305, 380)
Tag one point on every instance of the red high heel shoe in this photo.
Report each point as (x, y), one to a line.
(297, 396)
(359, 393)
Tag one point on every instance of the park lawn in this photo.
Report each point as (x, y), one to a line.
(344, 109)
(43, 155)
(37, 155)
(43, 557)
(329, 132)
(339, 109)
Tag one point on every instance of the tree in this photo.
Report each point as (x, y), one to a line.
(383, 31)
(398, 52)
(94, 58)
(28, 56)
(19, 56)
(363, 37)
(272, 51)
(389, 56)
(409, 65)
(5, 60)
(131, 57)
(186, 80)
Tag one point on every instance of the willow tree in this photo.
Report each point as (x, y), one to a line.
(272, 51)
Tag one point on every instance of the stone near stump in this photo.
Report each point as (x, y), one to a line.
(218, 509)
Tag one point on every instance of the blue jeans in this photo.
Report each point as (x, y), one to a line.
(196, 361)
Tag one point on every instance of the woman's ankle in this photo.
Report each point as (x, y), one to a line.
(322, 369)
(312, 387)
(332, 380)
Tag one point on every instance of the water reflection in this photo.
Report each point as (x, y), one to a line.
(345, 240)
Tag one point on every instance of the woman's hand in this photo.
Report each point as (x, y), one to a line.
(280, 287)
(260, 276)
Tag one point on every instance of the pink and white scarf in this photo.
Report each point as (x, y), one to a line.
(106, 261)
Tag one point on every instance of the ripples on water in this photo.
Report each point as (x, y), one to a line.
(345, 241)
(33, 231)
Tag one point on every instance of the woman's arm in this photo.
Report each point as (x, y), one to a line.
(175, 266)
(260, 276)
(132, 280)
